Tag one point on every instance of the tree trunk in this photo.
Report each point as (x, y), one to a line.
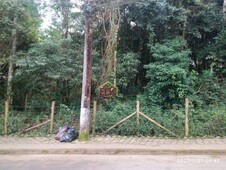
(224, 11)
(65, 11)
(65, 20)
(112, 17)
(115, 67)
(11, 61)
(86, 82)
(116, 45)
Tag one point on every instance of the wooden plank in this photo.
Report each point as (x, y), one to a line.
(121, 121)
(155, 122)
(36, 126)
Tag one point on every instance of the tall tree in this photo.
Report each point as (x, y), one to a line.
(48, 62)
(6, 22)
(12, 56)
(168, 74)
(143, 24)
(109, 18)
(63, 10)
(19, 28)
(87, 73)
(224, 10)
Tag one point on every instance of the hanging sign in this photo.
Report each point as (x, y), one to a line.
(108, 90)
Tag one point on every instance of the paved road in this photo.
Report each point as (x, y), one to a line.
(112, 162)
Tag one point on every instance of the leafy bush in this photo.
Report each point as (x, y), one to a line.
(208, 90)
(209, 121)
(1, 107)
(110, 113)
(66, 116)
(127, 68)
(19, 121)
(106, 119)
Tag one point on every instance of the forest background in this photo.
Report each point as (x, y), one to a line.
(156, 51)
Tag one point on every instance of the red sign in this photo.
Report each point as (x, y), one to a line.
(108, 90)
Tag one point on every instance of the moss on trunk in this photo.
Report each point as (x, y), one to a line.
(83, 136)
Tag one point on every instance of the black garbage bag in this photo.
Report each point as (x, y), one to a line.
(66, 134)
(62, 131)
(69, 136)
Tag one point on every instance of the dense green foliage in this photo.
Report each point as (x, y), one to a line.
(203, 122)
(53, 62)
(169, 73)
(167, 50)
(28, 21)
(18, 121)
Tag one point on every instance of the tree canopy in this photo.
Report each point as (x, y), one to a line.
(162, 49)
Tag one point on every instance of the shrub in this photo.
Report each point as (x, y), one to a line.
(209, 121)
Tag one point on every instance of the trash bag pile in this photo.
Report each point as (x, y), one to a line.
(66, 134)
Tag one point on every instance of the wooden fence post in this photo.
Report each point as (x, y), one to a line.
(25, 102)
(94, 117)
(51, 117)
(186, 117)
(6, 116)
(138, 112)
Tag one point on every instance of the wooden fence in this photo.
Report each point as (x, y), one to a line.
(138, 113)
(51, 120)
